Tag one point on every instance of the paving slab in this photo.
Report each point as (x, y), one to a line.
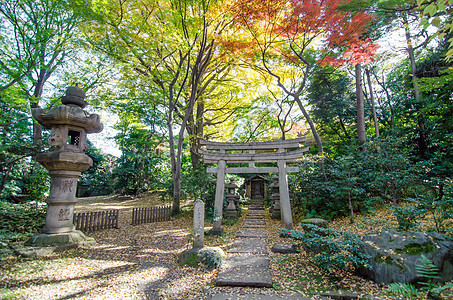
(262, 224)
(243, 296)
(253, 226)
(284, 248)
(254, 218)
(249, 245)
(245, 270)
(254, 221)
(255, 213)
(251, 233)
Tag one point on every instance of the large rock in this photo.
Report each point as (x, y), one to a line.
(212, 257)
(394, 255)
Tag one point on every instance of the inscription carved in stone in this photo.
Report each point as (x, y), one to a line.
(66, 185)
(63, 215)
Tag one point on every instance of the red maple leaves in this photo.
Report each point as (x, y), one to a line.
(303, 23)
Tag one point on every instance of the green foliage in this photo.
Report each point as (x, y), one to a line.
(428, 206)
(141, 166)
(337, 185)
(197, 184)
(100, 175)
(331, 248)
(36, 183)
(19, 221)
(229, 221)
(212, 260)
(406, 290)
(332, 97)
(428, 273)
(407, 216)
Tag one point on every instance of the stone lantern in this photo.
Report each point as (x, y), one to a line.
(275, 197)
(65, 160)
(233, 199)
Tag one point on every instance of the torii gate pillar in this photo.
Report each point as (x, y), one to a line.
(285, 204)
(218, 202)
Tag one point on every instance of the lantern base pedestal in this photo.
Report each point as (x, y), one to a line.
(231, 214)
(45, 244)
(215, 231)
(66, 239)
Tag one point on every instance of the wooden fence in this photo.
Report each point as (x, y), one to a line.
(93, 221)
(150, 214)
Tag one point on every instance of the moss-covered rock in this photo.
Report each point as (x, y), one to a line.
(211, 257)
(395, 255)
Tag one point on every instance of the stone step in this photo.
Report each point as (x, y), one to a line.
(249, 245)
(256, 212)
(253, 226)
(254, 222)
(251, 233)
(245, 270)
(254, 218)
(241, 295)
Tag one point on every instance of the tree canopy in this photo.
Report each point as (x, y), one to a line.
(173, 72)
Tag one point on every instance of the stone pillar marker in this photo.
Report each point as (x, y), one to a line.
(65, 160)
(199, 253)
(198, 224)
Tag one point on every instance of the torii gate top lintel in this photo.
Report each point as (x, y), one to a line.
(279, 152)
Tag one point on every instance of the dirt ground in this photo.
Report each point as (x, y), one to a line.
(124, 204)
(141, 262)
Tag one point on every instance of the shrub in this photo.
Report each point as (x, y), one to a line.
(212, 260)
(332, 249)
(408, 215)
(19, 221)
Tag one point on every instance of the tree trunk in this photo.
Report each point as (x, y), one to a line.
(376, 123)
(175, 174)
(196, 133)
(389, 102)
(343, 127)
(310, 123)
(361, 131)
(422, 140)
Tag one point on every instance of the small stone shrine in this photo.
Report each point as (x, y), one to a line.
(65, 160)
(233, 199)
(255, 187)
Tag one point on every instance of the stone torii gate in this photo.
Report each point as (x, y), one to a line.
(279, 152)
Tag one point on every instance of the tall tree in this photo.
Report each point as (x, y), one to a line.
(361, 130)
(292, 34)
(168, 43)
(35, 41)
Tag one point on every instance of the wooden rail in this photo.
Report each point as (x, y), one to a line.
(142, 215)
(93, 221)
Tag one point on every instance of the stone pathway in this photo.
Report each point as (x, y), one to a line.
(247, 262)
